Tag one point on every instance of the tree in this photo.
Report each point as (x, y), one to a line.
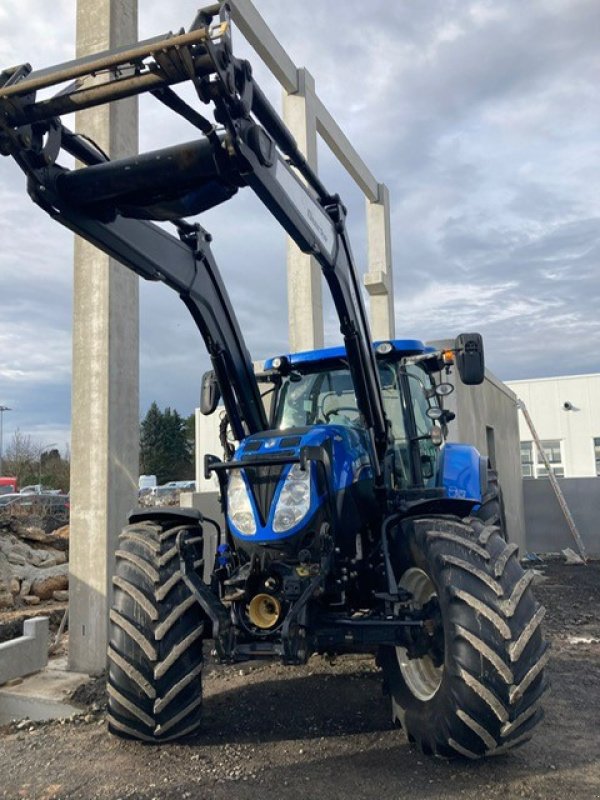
(30, 463)
(190, 433)
(21, 458)
(164, 447)
(55, 470)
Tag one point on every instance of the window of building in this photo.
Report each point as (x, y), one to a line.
(552, 451)
(532, 466)
(597, 454)
(527, 459)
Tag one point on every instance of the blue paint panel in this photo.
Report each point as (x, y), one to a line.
(402, 347)
(460, 472)
(350, 462)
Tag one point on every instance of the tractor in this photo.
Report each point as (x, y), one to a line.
(350, 524)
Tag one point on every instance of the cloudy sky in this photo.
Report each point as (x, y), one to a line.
(483, 119)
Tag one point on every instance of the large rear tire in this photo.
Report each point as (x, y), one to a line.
(478, 691)
(491, 511)
(156, 629)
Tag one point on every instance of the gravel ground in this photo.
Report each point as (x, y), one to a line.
(324, 730)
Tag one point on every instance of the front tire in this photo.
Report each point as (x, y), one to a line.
(156, 628)
(478, 692)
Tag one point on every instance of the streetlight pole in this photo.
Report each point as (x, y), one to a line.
(2, 410)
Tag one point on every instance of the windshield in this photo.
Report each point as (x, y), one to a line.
(328, 398)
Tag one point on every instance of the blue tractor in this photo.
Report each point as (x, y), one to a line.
(350, 525)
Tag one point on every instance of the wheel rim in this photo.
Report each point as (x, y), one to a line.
(421, 675)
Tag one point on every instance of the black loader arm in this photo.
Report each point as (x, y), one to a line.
(112, 203)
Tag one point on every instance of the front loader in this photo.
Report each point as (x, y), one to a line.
(350, 524)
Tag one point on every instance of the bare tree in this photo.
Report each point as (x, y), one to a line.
(22, 457)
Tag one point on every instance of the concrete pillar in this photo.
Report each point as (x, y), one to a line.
(379, 278)
(305, 302)
(105, 402)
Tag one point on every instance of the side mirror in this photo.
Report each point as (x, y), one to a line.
(210, 393)
(469, 358)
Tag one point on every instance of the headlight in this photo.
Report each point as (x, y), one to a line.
(294, 500)
(239, 507)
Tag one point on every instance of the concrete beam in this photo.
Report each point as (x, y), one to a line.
(256, 31)
(254, 28)
(345, 152)
(305, 296)
(379, 278)
(27, 653)
(105, 414)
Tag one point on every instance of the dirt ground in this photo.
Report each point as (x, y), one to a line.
(324, 731)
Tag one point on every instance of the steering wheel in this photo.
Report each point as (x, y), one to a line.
(327, 414)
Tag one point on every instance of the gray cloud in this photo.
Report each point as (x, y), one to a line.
(481, 117)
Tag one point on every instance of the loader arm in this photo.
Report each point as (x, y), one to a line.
(110, 203)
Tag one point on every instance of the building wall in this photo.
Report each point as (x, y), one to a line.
(547, 529)
(575, 428)
(487, 417)
(207, 441)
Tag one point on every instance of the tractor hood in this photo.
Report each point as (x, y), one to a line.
(274, 499)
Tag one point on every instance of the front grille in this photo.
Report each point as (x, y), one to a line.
(290, 441)
(263, 482)
(279, 454)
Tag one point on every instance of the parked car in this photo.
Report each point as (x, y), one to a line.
(37, 488)
(8, 485)
(173, 486)
(39, 505)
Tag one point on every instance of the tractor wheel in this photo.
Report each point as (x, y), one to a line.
(156, 629)
(491, 510)
(477, 691)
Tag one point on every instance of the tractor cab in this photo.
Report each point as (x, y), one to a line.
(315, 388)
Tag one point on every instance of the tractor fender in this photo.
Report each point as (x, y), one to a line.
(160, 513)
(463, 472)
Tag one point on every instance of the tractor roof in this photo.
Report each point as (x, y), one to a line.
(399, 348)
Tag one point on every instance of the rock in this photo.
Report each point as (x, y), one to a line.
(33, 534)
(583, 640)
(44, 587)
(6, 600)
(14, 557)
(58, 539)
(538, 577)
(31, 600)
(61, 534)
(61, 595)
(6, 571)
(59, 556)
(15, 585)
(42, 558)
(42, 582)
(571, 557)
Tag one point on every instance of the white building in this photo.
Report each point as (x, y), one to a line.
(566, 413)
